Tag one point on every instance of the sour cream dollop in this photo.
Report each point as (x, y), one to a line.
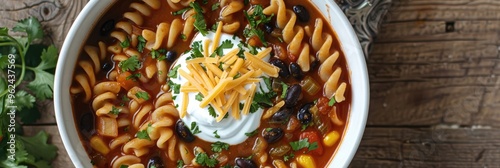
(228, 130)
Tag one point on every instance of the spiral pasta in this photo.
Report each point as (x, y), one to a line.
(230, 24)
(87, 79)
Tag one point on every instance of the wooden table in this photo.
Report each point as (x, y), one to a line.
(435, 89)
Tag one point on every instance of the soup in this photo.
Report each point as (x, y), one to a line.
(211, 83)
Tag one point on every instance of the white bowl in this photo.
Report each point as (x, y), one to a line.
(93, 11)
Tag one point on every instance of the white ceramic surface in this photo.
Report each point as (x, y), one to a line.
(89, 16)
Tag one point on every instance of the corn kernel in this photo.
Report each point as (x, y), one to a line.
(306, 161)
(331, 138)
(98, 144)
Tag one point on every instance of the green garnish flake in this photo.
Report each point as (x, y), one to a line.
(180, 163)
(142, 95)
(196, 50)
(303, 143)
(174, 87)
(211, 111)
(332, 101)
(250, 134)
(143, 135)
(226, 44)
(130, 64)
(219, 146)
(285, 89)
(134, 77)
(194, 128)
(256, 19)
(183, 36)
(141, 44)
(125, 43)
(204, 160)
(216, 135)
(180, 12)
(199, 20)
(173, 72)
(215, 6)
(123, 166)
(288, 157)
(199, 96)
(115, 111)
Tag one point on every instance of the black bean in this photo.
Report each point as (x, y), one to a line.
(284, 72)
(304, 115)
(87, 124)
(155, 162)
(268, 28)
(314, 64)
(171, 56)
(296, 71)
(107, 66)
(245, 163)
(107, 27)
(272, 135)
(281, 116)
(292, 95)
(301, 12)
(183, 131)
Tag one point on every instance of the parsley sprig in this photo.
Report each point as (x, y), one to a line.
(199, 20)
(256, 19)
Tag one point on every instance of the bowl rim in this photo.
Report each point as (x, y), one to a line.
(94, 10)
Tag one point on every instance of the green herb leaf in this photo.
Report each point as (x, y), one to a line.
(142, 95)
(219, 146)
(183, 36)
(180, 163)
(180, 12)
(298, 145)
(211, 111)
(125, 43)
(204, 160)
(130, 64)
(285, 89)
(143, 135)
(288, 157)
(123, 166)
(332, 101)
(216, 135)
(256, 19)
(134, 77)
(176, 88)
(199, 20)
(194, 128)
(196, 50)
(226, 44)
(215, 6)
(141, 44)
(313, 146)
(199, 96)
(37, 146)
(250, 134)
(31, 26)
(115, 111)
(173, 72)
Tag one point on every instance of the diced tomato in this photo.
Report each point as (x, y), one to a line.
(125, 83)
(312, 137)
(323, 106)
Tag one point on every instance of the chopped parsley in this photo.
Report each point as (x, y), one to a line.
(180, 163)
(194, 128)
(285, 89)
(130, 64)
(204, 160)
(125, 43)
(174, 87)
(219, 146)
(143, 135)
(288, 157)
(158, 54)
(199, 96)
(180, 12)
(123, 166)
(250, 134)
(196, 50)
(226, 44)
(332, 101)
(183, 36)
(199, 21)
(211, 111)
(134, 77)
(215, 6)
(216, 135)
(303, 143)
(142, 95)
(141, 44)
(255, 20)
(115, 111)
(173, 72)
